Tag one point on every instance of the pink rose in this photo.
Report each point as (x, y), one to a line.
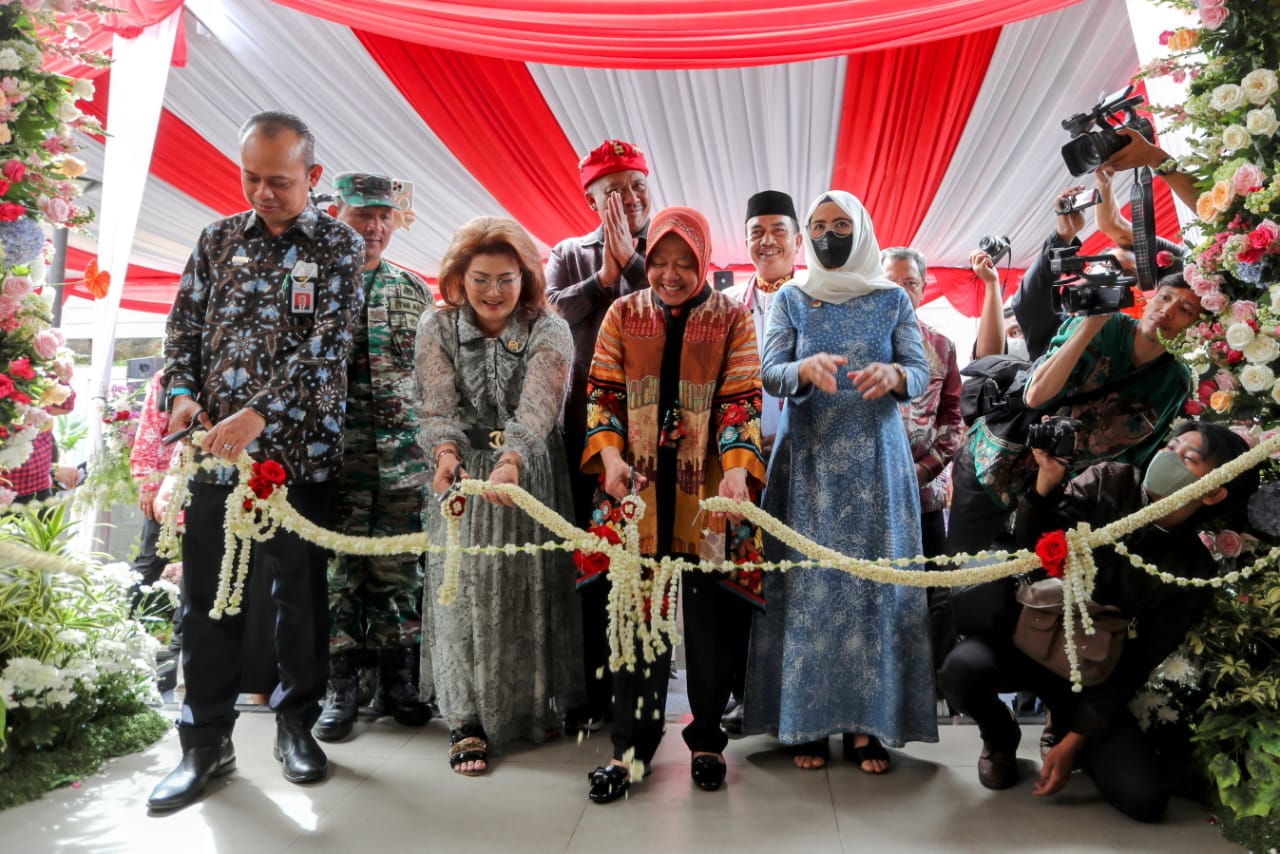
(7, 496)
(1248, 179)
(1226, 381)
(1212, 4)
(46, 344)
(14, 170)
(8, 308)
(1213, 302)
(1228, 544)
(1243, 309)
(56, 210)
(1267, 230)
(1213, 16)
(1164, 258)
(1207, 540)
(1165, 36)
(17, 287)
(1202, 286)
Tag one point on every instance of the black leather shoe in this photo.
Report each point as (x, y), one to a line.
(608, 783)
(997, 768)
(708, 772)
(302, 759)
(340, 705)
(185, 783)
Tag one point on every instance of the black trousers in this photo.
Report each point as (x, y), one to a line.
(1122, 762)
(942, 633)
(212, 649)
(976, 521)
(594, 597)
(716, 627)
(148, 564)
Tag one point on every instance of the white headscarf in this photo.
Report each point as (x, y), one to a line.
(861, 273)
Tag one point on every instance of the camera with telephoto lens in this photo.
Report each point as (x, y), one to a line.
(997, 246)
(1088, 149)
(1095, 284)
(1055, 436)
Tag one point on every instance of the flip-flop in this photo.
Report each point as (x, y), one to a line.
(868, 752)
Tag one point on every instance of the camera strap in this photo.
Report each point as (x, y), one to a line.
(1142, 208)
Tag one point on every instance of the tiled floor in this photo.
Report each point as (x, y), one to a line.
(390, 790)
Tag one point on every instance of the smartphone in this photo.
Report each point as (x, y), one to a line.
(402, 195)
(1080, 201)
(179, 435)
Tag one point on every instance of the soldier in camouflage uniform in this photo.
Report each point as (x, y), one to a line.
(374, 601)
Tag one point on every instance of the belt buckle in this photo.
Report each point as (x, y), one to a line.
(497, 438)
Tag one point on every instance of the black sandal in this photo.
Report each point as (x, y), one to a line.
(608, 783)
(819, 749)
(467, 744)
(871, 751)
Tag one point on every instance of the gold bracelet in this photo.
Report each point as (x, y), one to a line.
(444, 451)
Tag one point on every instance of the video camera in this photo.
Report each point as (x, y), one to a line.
(1089, 290)
(1087, 149)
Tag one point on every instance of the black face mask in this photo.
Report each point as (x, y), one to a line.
(833, 249)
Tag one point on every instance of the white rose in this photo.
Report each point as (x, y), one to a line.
(1258, 86)
(1274, 293)
(1262, 349)
(69, 112)
(1239, 335)
(1236, 138)
(82, 90)
(9, 60)
(1275, 392)
(1262, 122)
(1256, 378)
(1226, 98)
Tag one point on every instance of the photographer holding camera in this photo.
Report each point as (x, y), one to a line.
(1110, 372)
(1096, 730)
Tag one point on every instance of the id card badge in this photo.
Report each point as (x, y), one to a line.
(302, 287)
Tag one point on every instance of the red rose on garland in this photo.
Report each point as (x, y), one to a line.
(1052, 551)
(270, 471)
(594, 563)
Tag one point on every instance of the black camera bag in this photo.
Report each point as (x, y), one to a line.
(994, 384)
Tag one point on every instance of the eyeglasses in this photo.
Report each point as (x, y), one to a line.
(505, 283)
(840, 226)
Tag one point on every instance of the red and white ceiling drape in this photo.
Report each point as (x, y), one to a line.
(945, 139)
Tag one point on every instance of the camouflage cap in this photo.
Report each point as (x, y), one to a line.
(364, 189)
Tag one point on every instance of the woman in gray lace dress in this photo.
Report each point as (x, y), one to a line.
(505, 655)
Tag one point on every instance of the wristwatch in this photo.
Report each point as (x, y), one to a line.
(902, 372)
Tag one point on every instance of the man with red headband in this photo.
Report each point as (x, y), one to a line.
(584, 276)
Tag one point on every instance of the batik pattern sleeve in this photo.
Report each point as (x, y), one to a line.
(908, 348)
(606, 393)
(738, 400)
(435, 377)
(542, 395)
(148, 454)
(948, 421)
(185, 327)
(780, 369)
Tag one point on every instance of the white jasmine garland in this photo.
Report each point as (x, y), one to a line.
(1226, 98)
(1235, 137)
(1256, 378)
(1239, 335)
(1262, 122)
(1259, 85)
(1262, 349)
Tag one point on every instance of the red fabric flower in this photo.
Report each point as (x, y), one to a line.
(270, 471)
(1052, 551)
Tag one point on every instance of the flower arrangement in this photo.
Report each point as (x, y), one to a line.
(71, 652)
(1229, 62)
(38, 115)
(110, 479)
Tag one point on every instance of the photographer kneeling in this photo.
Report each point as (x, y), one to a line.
(1123, 386)
(1098, 733)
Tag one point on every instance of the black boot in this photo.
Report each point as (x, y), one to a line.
(303, 760)
(185, 783)
(397, 696)
(340, 708)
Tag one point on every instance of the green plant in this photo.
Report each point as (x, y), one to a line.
(70, 431)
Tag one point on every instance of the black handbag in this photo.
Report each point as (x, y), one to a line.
(994, 385)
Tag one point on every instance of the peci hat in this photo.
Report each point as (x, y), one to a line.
(612, 155)
(364, 189)
(771, 203)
